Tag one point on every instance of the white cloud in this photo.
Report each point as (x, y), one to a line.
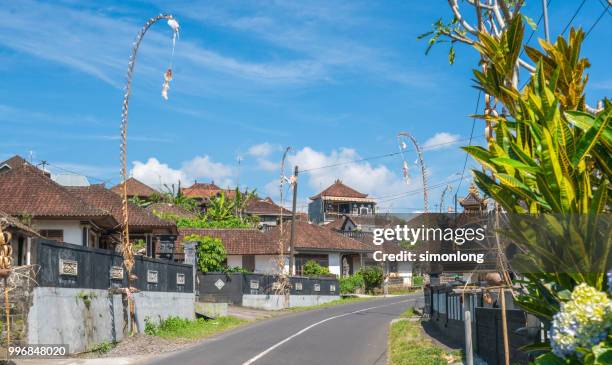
(263, 149)
(268, 165)
(375, 180)
(156, 174)
(440, 141)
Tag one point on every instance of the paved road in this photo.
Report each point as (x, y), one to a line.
(351, 334)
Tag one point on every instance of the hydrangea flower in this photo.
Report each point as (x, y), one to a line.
(583, 321)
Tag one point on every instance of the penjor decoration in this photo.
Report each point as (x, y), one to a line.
(126, 245)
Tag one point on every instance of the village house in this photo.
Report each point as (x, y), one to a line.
(21, 237)
(135, 189)
(339, 199)
(257, 251)
(12, 163)
(268, 212)
(203, 192)
(157, 235)
(30, 195)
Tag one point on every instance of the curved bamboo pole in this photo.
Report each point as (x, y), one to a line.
(126, 249)
(417, 147)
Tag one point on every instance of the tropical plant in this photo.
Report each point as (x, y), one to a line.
(549, 159)
(211, 254)
(350, 284)
(313, 268)
(372, 277)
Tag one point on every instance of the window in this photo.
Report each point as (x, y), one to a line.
(53, 234)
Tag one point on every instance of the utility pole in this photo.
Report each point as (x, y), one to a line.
(545, 15)
(293, 209)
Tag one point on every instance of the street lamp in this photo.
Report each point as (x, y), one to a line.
(126, 249)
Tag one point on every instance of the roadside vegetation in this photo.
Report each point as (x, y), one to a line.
(175, 327)
(409, 345)
(343, 300)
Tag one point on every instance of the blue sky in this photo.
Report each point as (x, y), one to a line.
(335, 80)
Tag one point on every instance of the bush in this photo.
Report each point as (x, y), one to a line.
(417, 281)
(211, 253)
(312, 268)
(372, 278)
(350, 284)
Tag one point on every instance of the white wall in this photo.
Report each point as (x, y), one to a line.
(234, 260)
(334, 263)
(268, 264)
(72, 229)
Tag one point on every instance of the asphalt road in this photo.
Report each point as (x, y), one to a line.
(351, 334)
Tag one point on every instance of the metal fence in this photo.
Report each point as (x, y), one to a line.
(71, 266)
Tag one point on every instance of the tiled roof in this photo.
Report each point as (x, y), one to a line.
(103, 198)
(14, 162)
(265, 207)
(337, 224)
(312, 236)
(27, 190)
(8, 222)
(237, 241)
(338, 189)
(135, 188)
(206, 191)
(167, 208)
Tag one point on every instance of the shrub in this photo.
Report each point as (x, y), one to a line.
(417, 281)
(211, 253)
(312, 268)
(350, 284)
(372, 278)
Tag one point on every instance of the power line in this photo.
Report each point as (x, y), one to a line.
(534, 30)
(416, 191)
(573, 16)
(46, 163)
(597, 21)
(428, 148)
(469, 144)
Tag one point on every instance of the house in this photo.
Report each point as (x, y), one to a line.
(342, 255)
(258, 251)
(145, 227)
(268, 212)
(361, 228)
(247, 248)
(21, 237)
(28, 193)
(339, 199)
(135, 189)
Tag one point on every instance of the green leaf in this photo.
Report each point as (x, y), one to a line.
(451, 55)
(541, 346)
(530, 21)
(514, 163)
(591, 136)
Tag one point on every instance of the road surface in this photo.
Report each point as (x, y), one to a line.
(351, 334)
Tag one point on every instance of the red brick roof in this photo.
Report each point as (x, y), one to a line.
(265, 207)
(315, 237)
(167, 208)
(27, 190)
(9, 223)
(237, 241)
(135, 188)
(338, 189)
(14, 162)
(103, 198)
(206, 191)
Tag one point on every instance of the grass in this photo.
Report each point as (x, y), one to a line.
(402, 290)
(103, 347)
(175, 327)
(408, 345)
(343, 300)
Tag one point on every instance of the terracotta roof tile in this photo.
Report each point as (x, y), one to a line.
(206, 191)
(27, 190)
(237, 241)
(312, 236)
(103, 198)
(14, 162)
(265, 207)
(135, 188)
(338, 189)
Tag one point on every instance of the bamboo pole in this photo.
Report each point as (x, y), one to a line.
(505, 327)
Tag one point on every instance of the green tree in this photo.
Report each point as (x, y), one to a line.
(211, 254)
